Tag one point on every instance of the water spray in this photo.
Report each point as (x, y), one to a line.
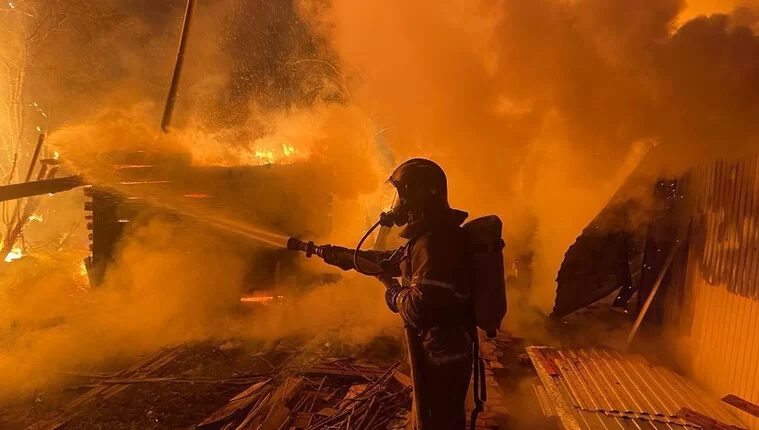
(214, 220)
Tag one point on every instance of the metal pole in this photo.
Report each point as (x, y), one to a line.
(652, 294)
(171, 98)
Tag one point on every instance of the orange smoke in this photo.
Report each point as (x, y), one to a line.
(538, 109)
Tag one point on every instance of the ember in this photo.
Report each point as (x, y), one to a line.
(143, 182)
(259, 299)
(131, 166)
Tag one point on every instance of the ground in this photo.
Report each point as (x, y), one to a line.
(213, 372)
(182, 385)
(156, 405)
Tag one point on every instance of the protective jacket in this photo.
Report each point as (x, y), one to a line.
(435, 300)
(436, 296)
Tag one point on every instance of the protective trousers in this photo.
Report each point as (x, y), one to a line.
(445, 388)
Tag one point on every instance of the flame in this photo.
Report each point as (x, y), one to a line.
(266, 157)
(56, 155)
(143, 182)
(82, 269)
(131, 166)
(269, 153)
(15, 254)
(259, 298)
(36, 217)
(264, 151)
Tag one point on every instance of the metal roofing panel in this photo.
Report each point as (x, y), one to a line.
(725, 197)
(603, 389)
(711, 317)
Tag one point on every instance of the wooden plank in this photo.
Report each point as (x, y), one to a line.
(250, 390)
(359, 372)
(174, 380)
(102, 392)
(327, 412)
(353, 393)
(744, 405)
(401, 377)
(706, 423)
(236, 406)
(278, 416)
(275, 406)
(286, 391)
(253, 419)
(302, 421)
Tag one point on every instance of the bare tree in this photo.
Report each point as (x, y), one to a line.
(25, 27)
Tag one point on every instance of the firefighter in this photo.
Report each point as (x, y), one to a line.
(433, 297)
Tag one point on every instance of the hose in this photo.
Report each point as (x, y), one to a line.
(479, 387)
(358, 248)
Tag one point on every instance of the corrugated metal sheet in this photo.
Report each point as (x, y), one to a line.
(602, 389)
(725, 203)
(713, 318)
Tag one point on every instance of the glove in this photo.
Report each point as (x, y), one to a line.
(391, 296)
(337, 256)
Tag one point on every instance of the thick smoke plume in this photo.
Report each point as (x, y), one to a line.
(52, 322)
(537, 109)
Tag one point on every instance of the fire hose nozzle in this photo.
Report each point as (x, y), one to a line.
(309, 248)
(293, 244)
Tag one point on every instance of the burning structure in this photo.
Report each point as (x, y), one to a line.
(538, 109)
(142, 185)
(133, 186)
(689, 254)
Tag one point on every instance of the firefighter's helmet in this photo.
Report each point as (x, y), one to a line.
(422, 189)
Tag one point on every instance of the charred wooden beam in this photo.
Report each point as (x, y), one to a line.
(37, 188)
(706, 422)
(35, 156)
(168, 110)
(742, 404)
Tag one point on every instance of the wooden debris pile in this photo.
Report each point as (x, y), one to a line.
(331, 395)
(100, 392)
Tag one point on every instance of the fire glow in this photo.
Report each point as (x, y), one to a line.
(143, 182)
(260, 299)
(264, 154)
(15, 254)
(131, 166)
